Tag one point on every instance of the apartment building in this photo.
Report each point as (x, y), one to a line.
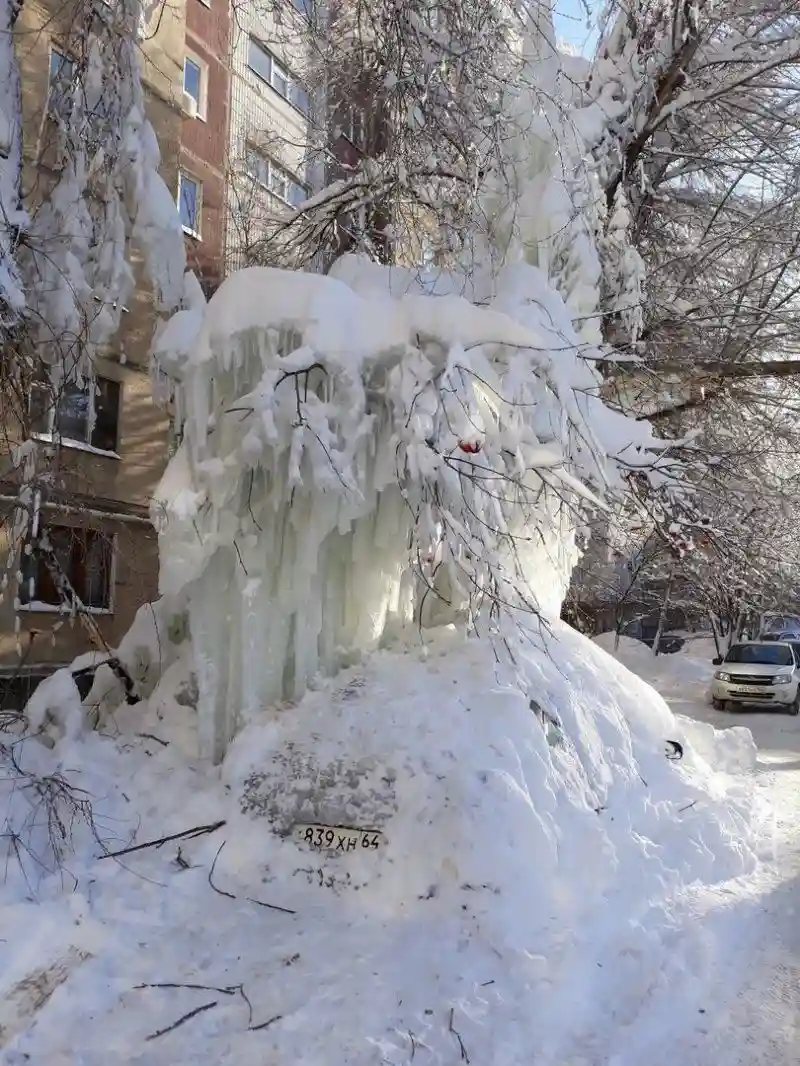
(290, 135)
(273, 166)
(112, 439)
(243, 143)
(204, 162)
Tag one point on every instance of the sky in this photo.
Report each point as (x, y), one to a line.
(574, 25)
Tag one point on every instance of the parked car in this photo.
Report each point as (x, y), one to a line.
(788, 635)
(759, 674)
(668, 645)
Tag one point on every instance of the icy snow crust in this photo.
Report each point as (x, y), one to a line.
(522, 901)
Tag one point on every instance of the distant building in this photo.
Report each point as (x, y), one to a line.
(271, 165)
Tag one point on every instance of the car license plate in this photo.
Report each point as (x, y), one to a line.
(337, 838)
(750, 690)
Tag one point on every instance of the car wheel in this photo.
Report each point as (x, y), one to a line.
(718, 705)
(794, 708)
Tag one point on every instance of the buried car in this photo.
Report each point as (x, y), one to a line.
(758, 674)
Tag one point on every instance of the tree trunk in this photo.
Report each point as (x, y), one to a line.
(715, 634)
(662, 616)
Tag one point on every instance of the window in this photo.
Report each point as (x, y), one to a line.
(266, 67)
(85, 556)
(62, 72)
(195, 79)
(279, 181)
(189, 203)
(760, 654)
(353, 125)
(69, 414)
(280, 78)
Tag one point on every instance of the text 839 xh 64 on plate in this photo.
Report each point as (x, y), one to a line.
(337, 838)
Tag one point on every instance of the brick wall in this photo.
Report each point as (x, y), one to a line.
(204, 141)
(98, 485)
(135, 569)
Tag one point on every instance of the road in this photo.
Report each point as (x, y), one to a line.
(752, 1015)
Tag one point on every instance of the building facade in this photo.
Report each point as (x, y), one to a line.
(270, 144)
(102, 445)
(202, 180)
(244, 141)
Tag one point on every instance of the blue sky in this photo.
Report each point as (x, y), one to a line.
(570, 19)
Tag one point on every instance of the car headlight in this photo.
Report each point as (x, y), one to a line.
(720, 675)
(782, 679)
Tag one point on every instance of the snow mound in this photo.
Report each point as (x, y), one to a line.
(474, 783)
(691, 665)
(730, 751)
(687, 675)
(499, 805)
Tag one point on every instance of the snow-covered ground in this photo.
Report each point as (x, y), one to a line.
(547, 888)
(748, 1013)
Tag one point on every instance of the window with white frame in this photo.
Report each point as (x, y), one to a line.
(352, 125)
(86, 414)
(269, 69)
(84, 556)
(195, 83)
(190, 203)
(272, 176)
(60, 79)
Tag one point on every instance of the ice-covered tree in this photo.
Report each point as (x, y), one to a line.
(698, 134)
(384, 448)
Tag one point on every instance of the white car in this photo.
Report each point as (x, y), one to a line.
(759, 674)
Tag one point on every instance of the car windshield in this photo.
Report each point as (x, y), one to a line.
(761, 654)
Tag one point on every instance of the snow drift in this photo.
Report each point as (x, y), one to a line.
(534, 845)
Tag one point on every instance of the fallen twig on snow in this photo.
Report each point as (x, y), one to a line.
(265, 1025)
(219, 891)
(179, 859)
(271, 906)
(457, 1035)
(187, 834)
(182, 1019)
(243, 994)
(687, 807)
(152, 736)
(230, 895)
(413, 1044)
(229, 990)
(42, 836)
